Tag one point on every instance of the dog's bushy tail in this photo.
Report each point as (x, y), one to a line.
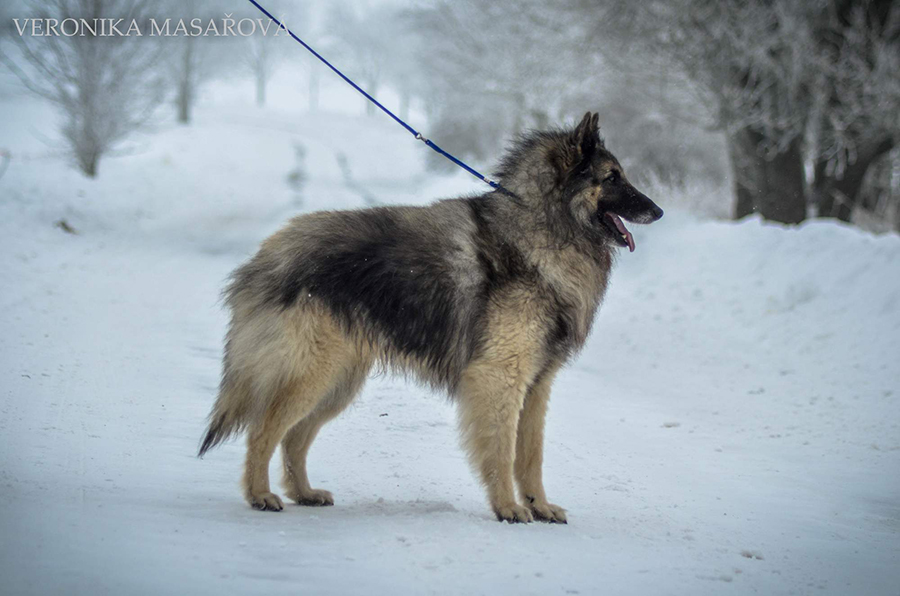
(228, 417)
(218, 430)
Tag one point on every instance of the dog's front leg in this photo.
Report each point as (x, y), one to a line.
(491, 397)
(530, 451)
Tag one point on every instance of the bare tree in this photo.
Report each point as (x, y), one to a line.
(489, 70)
(186, 69)
(261, 58)
(265, 49)
(315, 78)
(357, 40)
(192, 60)
(103, 86)
(185, 59)
(402, 68)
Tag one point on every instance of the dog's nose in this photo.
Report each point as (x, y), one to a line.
(657, 212)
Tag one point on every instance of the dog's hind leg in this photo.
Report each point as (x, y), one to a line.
(288, 407)
(304, 364)
(530, 451)
(296, 444)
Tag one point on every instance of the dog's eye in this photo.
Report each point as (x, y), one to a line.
(613, 176)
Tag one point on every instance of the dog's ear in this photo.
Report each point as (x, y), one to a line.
(587, 134)
(579, 145)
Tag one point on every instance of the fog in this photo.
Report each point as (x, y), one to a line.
(731, 425)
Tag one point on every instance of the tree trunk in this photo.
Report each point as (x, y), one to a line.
(785, 196)
(185, 83)
(746, 167)
(184, 102)
(773, 187)
(260, 89)
(314, 89)
(370, 107)
(89, 165)
(837, 196)
(404, 105)
(540, 118)
(519, 123)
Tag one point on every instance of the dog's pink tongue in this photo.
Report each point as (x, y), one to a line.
(623, 230)
(630, 240)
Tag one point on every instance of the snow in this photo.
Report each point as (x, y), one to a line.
(731, 428)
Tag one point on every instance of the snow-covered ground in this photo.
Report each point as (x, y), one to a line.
(732, 427)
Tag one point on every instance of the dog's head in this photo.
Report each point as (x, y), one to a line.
(580, 180)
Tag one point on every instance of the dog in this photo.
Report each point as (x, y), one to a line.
(484, 297)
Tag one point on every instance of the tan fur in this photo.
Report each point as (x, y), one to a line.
(492, 394)
(296, 443)
(314, 370)
(530, 450)
(304, 370)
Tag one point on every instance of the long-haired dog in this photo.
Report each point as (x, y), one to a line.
(484, 297)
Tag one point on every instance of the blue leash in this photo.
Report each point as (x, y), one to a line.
(419, 136)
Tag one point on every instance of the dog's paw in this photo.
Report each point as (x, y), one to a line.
(514, 514)
(314, 497)
(548, 512)
(265, 502)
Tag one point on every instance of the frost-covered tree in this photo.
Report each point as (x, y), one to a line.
(857, 113)
(491, 69)
(189, 59)
(402, 66)
(186, 67)
(361, 43)
(263, 51)
(789, 82)
(747, 61)
(261, 56)
(105, 87)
